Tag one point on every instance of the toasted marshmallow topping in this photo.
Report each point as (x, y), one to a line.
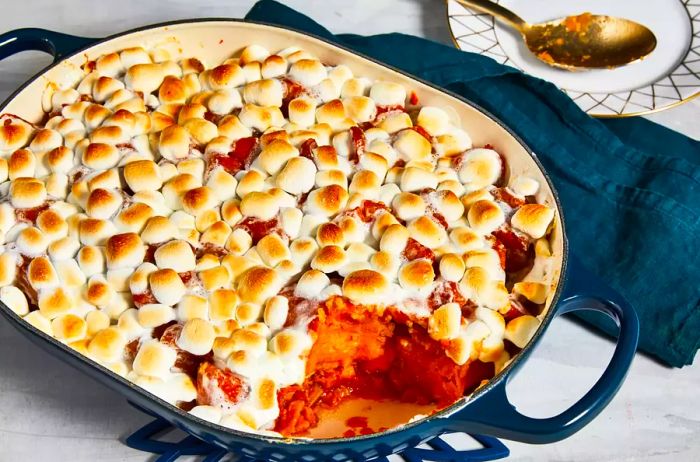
(169, 211)
(533, 219)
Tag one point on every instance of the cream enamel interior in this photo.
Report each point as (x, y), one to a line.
(214, 41)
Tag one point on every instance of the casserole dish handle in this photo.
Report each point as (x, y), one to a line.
(56, 44)
(493, 414)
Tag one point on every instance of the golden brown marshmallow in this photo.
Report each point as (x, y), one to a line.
(225, 76)
(216, 234)
(366, 287)
(31, 241)
(91, 260)
(158, 229)
(155, 314)
(142, 175)
(176, 255)
(176, 187)
(452, 267)
(99, 292)
(192, 306)
(536, 292)
(261, 118)
(408, 206)
(107, 346)
(417, 179)
(100, 156)
(326, 201)
(222, 305)
(55, 302)
(174, 143)
(454, 142)
(42, 274)
(154, 359)
(14, 135)
(411, 145)
(297, 176)
(60, 159)
(365, 183)
(239, 242)
(388, 93)
(198, 200)
(427, 232)
(257, 284)
(201, 131)
(57, 185)
(524, 186)
(480, 167)
(69, 328)
(27, 193)
(197, 337)
(533, 219)
(166, 286)
(330, 234)
(333, 114)
(485, 216)
(145, 78)
(381, 223)
(444, 322)
(302, 111)
(104, 87)
(360, 108)
(308, 72)
(521, 329)
(124, 251)
(272, 249)
(22, 163)
(172, 90)
(273, 66)
(417, 275)
(434, 120)
(224, 102)
(111, 135)
(215, 278)
(274, 156)
(276, 310)
(394, 239)
(268, 92)
(260, 205)
(329, 258)
(45, 139)
(15, 299)
(449, 205)
(103, 203)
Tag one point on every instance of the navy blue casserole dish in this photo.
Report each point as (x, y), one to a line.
(487, 410)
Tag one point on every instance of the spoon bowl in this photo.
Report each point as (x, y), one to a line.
(584, 41)
(589, 41)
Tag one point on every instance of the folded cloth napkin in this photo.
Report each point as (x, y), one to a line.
(630, 189)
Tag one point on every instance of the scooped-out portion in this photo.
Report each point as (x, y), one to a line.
(271, 243)
(376, 354)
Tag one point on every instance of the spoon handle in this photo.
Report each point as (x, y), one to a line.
(498, 12)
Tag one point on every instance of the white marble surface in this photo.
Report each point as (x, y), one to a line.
(50, 412)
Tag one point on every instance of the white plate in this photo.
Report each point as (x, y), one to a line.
(666, 78)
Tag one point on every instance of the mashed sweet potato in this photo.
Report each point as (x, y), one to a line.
(376, 353)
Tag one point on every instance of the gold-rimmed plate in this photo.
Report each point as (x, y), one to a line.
(668, 77)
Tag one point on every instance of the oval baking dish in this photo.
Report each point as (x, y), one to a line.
(487, 410)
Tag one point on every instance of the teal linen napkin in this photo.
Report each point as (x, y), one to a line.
(630, 189)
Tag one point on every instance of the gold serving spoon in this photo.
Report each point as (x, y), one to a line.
(577, 42)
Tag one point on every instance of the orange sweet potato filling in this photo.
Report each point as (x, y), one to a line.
(370, 352)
